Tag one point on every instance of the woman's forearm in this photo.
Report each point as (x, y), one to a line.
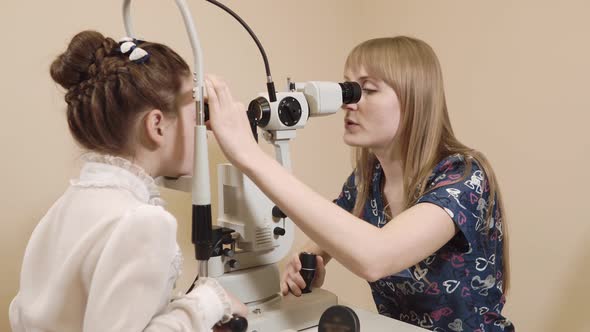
(334, 230)
(313, 247)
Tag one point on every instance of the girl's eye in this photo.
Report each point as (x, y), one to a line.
(369, 91)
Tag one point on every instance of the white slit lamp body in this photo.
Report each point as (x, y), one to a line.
(250, 268)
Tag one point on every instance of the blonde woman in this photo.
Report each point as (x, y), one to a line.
(420, 217)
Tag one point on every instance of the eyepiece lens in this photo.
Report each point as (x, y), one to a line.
(351, 92)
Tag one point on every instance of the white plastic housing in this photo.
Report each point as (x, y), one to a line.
(275, 123)
(324, 98)
(244, 208)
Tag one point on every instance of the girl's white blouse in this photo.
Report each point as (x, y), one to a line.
(105, 258)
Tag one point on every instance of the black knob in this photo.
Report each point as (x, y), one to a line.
(228, 252)
(234, 264)
(279, 231)
(339, 318)
(237, 324)
(289, 110)
(308, 266)
(277, 213)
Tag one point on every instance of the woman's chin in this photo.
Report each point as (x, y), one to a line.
(352, 142)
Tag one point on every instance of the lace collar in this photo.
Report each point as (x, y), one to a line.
(110, 171)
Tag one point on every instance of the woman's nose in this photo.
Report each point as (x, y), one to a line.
(350, 107)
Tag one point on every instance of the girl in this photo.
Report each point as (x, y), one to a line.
(420, 217)
(105, 257)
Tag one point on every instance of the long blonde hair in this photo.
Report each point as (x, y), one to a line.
(425, 135)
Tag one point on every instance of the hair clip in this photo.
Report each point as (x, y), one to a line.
(139, 55)
(136, 54)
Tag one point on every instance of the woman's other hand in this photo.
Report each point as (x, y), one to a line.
(229, 122)
(292, 281)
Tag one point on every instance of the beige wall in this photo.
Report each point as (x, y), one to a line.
(516, 75)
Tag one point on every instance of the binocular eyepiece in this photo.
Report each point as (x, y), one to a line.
(351, 92)
(304, 100)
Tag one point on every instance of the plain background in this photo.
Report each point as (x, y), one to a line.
(516, 76)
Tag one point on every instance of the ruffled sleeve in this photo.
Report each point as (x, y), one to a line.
(130, 288)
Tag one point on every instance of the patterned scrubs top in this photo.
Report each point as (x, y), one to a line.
(459, 287)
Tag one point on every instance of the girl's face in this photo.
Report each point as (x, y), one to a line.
(373, 121)
(179, 149)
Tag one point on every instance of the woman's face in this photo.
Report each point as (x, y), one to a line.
(373, 121)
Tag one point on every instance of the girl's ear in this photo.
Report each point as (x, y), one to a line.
(153, 126)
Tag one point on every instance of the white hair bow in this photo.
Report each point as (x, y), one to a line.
(138, 54)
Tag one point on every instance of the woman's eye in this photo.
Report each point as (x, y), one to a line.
(369, 91)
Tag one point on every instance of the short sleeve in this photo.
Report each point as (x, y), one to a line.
(459, 187)
(347, 197)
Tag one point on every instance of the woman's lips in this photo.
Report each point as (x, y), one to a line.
(349, 124)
